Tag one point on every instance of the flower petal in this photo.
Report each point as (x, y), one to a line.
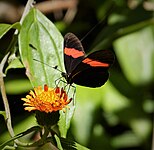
(46, 100)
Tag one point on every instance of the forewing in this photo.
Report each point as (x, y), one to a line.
(73, 52)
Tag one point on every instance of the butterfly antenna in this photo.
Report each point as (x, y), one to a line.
(55, 67)
(104, 20)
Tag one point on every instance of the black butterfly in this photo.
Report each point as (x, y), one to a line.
(89, 71)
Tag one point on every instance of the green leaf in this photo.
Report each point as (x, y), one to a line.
(88, 99)
(126, 139)
(32, 129)
(9, 147)
(141, 127)
(113, 100)
(14, 62)
(4, 28)
(3, 113)
(47, 47)
(65, 119)
(58, 142)
(39, 39)
(71, 145)
(25, 124)
(135, 53)
(14, 86)
(120, 24)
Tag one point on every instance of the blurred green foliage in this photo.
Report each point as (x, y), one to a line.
(119, 115)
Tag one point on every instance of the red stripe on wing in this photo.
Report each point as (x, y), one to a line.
(73, 52)
(95, 63)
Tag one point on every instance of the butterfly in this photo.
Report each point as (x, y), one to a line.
(85, 70)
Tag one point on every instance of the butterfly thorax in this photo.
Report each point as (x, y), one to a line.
(67, 77)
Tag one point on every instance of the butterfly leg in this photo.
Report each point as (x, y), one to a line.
(74, 92)
(68, 89)
(57, 81)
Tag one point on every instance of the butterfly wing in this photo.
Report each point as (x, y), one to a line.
(92, 71)
(73, 52)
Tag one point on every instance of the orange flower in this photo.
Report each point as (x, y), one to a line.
(46, 100)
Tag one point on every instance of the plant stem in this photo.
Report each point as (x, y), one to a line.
(153, 136)
(4, 97)
(5, 100)
(2, 86)
(124, 31)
